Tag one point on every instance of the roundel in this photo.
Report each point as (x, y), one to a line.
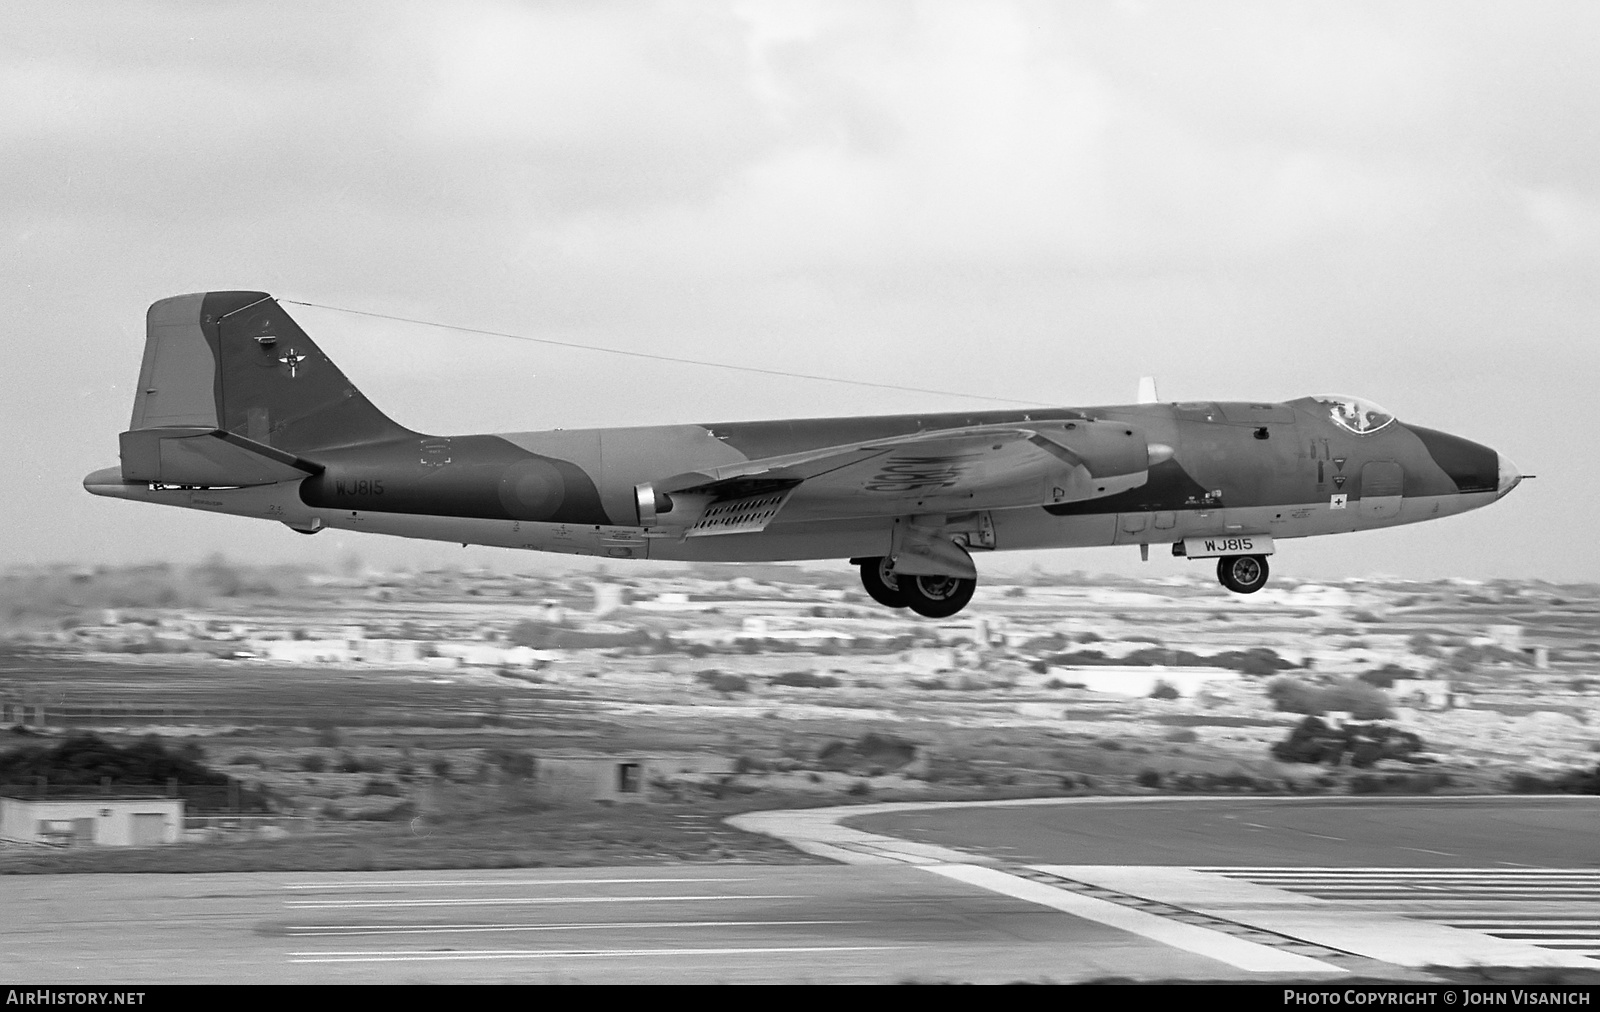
(532, 489)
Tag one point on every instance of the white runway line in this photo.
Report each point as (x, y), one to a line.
(490, 883)
(505, 901)
(1236, 952)
(326, 930)
(429, 957)
(1388, 870)
(1389, 920)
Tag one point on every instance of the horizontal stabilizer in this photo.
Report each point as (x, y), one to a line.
(214, 458)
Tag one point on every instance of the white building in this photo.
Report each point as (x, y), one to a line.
(308, 651)
(91, 822)
(1140, 681)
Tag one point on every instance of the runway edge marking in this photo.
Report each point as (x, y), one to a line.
(1237, 952)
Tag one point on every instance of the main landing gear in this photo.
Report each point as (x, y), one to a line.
(928, 596)
(1242, 574)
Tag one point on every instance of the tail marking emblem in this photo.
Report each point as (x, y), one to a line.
(292, 360)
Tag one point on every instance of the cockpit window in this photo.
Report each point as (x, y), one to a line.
(1354, 413)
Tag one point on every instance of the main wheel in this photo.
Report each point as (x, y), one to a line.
(881, 584)
(937, 596)
(1242, 574)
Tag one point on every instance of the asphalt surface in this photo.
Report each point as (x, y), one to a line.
(728, 923)
(1510, 832)
(1219, 889)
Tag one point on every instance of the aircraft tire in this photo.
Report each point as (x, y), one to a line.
(1242, 574)
(937, 596)
(881, 585)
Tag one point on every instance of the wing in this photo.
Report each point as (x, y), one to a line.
(943, 471)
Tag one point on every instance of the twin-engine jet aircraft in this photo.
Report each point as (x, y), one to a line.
(239, 412)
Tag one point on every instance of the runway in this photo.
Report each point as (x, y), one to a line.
(1062, 890)
(726, 923)
(1436, 832)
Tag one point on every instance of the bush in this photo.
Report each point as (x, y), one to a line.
(1386, 676)
(1313, 741)
(87, 759)
(1164, 690)
(1568, 782)
(1183, 735)
(1348, 695)
(1398, 783)
(1148, 778)
(314, 763)
(722, 682)
(1217, 782)
(514, 764)
(383, 788)
(805, 680)
(871, 751)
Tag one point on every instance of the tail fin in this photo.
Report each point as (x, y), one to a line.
(232, 391)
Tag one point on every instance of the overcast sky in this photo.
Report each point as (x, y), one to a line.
(1024, 200)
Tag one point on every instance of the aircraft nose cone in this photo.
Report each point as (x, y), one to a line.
(1509, 475)
(1472, 467)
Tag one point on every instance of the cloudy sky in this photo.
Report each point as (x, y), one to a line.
(1039, 201)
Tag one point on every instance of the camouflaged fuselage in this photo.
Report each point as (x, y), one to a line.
(1304, 467)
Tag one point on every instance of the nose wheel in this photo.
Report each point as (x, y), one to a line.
(1242, 574)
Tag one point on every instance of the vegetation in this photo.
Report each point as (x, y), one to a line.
(805, 680)
(89, 760)
(722, 681)
(1255, 661)
(1346, 695)
(1314, 741)
(1385, 677)
(1569, 782)
(872, 751)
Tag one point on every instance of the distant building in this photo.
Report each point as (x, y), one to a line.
(1140, 681)
(1425, 693)
(91, 822)
(1508, 637)
(569, 778)
(607, 598)
(309, 651)
(13, 713)
(929, 660)
(389, 651)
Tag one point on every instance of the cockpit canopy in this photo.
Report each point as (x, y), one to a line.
(1355, 414)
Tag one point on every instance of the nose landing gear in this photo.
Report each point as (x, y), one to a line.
(1242, 574)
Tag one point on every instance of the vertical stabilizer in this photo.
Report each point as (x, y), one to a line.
(233, 392)
(236, 361)
(1147, 390)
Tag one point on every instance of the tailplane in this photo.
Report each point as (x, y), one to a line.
(233, 392)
